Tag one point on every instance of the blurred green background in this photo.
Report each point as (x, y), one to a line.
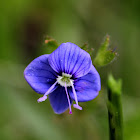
(24, 25)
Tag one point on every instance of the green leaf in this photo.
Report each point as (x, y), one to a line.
(104, 55)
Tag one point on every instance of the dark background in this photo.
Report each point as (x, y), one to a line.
(24, 25)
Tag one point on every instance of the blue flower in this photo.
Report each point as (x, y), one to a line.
(65, 75)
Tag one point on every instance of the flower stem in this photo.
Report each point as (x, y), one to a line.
(115, 109)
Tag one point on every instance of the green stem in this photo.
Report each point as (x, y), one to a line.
(115, 109)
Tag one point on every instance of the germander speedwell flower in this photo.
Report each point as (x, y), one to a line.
(65, 75)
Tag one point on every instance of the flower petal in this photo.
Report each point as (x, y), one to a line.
(40, 75)
(70, 59)
(58, 100)
(87, 87)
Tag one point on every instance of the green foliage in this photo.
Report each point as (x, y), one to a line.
(104, 56)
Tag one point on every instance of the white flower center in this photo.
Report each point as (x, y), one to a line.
(65, 80)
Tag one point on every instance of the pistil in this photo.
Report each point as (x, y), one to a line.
(70, 112)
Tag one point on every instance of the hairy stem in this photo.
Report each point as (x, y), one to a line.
(115, 109)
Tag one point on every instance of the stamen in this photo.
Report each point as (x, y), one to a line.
(75, 96)
(77, 106)
(41, 99)
(70, 112)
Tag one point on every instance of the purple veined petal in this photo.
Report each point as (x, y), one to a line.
(70, 59)
(87, 87)
(58, 100)
(39, 74)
